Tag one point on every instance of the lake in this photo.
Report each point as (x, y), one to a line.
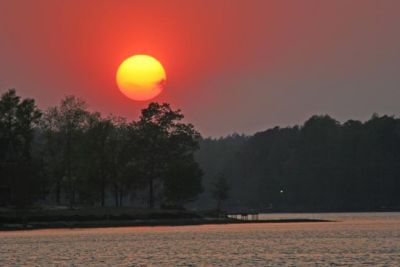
(358, 239)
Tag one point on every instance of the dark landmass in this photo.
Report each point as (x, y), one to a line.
(122, 217)
(91, 214)
(320, 165)
(132, 223)
(70, 156)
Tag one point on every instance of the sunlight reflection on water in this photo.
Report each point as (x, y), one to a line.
(370, 239)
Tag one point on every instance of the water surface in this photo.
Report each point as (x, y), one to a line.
(357, 239)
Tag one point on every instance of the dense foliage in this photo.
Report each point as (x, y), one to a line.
(321, 165)
(68, 155)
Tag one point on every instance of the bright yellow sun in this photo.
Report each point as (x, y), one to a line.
(141, 77)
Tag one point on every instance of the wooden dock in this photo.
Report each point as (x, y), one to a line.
(245, 216)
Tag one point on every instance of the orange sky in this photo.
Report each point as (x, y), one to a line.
(232, 65)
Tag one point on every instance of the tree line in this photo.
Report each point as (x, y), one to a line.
(320, 165)
(67, 155)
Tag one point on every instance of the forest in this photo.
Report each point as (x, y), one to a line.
(67, 155)
(322, 165)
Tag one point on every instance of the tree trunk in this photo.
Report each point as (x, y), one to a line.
(58, 192)
(151, 194)
(116, 195)
(121, 197)
(72, 198)
(103, 192)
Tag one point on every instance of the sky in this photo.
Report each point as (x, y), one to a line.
(232, 66)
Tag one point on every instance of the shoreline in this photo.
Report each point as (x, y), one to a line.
(141, 223)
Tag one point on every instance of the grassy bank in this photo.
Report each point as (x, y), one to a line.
(90, 214)
(11, 219)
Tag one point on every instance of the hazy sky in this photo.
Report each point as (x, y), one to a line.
(232, 66)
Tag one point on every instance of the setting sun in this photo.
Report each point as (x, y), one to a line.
(141, 77)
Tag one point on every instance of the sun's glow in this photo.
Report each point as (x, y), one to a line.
(141, 77)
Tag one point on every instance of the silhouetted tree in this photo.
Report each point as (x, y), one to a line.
(220, 190)
(123, 176)
(18, 119)
(159, 138)
(64, 126)
(97, 160)
(84, 158)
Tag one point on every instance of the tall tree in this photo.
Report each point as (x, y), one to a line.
(64, 126)
(220, 190)
(159, 138)
(124, 176)
(97, 158)
(18, 119)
